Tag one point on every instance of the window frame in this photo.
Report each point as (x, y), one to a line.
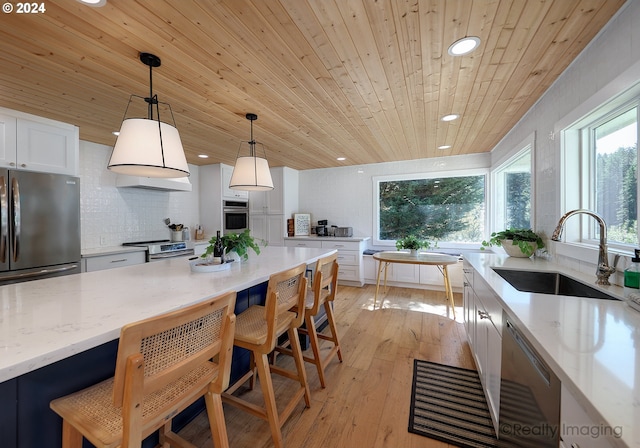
(528, 144)
(578, 166)
(376, 241)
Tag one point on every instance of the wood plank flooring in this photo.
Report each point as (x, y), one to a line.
(366, 401)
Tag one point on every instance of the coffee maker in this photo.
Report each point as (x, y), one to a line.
(321, 228)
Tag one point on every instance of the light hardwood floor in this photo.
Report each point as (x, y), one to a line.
(366, 401)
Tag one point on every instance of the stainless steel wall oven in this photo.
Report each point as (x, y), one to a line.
(235, 216)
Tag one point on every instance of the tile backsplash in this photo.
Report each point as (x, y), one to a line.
(112, 215)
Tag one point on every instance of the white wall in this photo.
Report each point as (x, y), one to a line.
(344, 196)
(111, 215)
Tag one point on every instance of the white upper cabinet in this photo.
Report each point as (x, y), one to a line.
(228, 193)
(33, 143)
(282, 200)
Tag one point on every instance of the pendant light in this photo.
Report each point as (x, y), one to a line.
(149, 147)
(251, 172)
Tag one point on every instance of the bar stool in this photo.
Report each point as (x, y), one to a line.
(163, 365)
(321, 296)
(257, 330)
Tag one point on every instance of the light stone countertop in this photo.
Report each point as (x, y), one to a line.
(44, 321)
(593, 345)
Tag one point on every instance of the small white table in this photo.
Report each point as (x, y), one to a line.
(441, 261)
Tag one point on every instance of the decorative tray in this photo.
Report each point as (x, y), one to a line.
(207, 266)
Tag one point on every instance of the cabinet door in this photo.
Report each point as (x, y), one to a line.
(114, 261)
(275, 197)
(7, 141)
(370, 267)
(47, 148)
(227, 192)
(258, 202)
(468, 310)
(258, 226)
(272, 201)
(405, 273)
(276, 229)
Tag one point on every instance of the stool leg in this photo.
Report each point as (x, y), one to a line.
(264, 373)
(218, 426)
(297, 356)
(315, 347)
(71, 437)
(333, 328)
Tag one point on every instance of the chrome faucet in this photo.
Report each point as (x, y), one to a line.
(603, 270)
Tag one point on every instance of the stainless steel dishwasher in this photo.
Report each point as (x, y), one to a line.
(529, 395)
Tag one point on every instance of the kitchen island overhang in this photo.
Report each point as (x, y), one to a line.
(44, 321)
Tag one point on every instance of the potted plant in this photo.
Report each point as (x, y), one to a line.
(516, 242)
(238, 243)
(413, 243)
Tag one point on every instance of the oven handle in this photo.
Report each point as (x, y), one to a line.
(171, 254)
(530, 354)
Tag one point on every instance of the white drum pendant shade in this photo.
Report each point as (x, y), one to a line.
(145, 149)
(251, 174)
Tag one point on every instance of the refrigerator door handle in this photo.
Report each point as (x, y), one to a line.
(4, 217)
(40, 273)
(15, 193)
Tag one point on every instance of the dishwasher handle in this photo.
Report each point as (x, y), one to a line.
(531, 355)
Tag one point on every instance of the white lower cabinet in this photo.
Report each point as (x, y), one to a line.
(269, 228)
(483, 321)
(100, 262)
(578, 429)
(350, 259)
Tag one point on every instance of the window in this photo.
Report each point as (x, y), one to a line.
(616, 175)
(601, 171)
(438, 209)
(511, 192)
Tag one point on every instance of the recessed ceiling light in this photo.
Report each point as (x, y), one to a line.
(203, 156)
(94, 3)
(450, 117)
(444, 147)
(464, 46)
(341, 158)
(116, 133)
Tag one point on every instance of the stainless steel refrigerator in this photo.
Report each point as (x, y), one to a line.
(39, 225)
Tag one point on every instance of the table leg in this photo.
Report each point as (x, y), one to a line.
(448, 290)
(375, 297)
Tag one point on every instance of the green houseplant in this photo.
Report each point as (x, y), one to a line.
(239, 243)
(526, 240)
(412, 243)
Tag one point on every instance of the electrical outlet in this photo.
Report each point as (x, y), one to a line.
(103, 240)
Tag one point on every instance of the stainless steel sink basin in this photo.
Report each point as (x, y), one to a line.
(550, 283)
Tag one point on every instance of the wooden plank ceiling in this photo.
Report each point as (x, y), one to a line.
(363, 79)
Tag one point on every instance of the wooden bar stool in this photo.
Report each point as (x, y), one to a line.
(164, 364)
(321, 295)
(257, 330)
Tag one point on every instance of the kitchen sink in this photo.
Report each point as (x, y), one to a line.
(550, 283)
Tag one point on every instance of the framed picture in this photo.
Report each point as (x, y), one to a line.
(301, 224)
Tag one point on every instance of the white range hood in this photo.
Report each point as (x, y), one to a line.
(154, 183)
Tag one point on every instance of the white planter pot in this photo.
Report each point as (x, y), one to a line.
(513, 250)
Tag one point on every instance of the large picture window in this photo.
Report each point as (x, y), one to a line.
(439, 209)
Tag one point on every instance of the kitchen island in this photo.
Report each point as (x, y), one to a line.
(592, 345)
(59, 335)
